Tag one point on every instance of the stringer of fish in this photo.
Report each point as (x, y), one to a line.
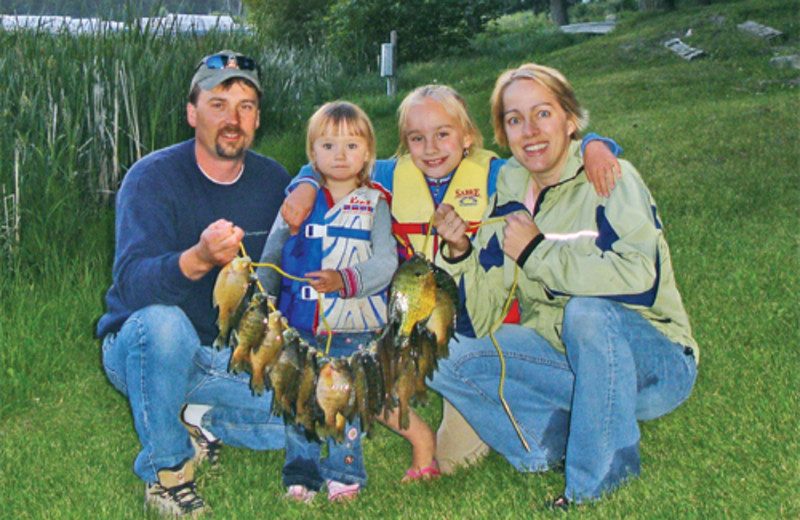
(323, 394)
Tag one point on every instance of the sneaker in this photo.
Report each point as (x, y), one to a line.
(206, 447)
(340, 492)
(175, 493)
(180, 500)
(559, 504)
(300, 494)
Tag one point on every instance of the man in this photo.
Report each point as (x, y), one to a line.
(182, 212)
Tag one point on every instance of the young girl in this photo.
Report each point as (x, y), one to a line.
(347, 250)
(441, 160)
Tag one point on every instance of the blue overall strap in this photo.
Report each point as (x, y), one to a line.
(320, 231)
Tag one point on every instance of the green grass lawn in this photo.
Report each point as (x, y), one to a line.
(716, 139)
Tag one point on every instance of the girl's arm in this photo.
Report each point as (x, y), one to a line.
(272, 254)
(298, 205)
(600, 162)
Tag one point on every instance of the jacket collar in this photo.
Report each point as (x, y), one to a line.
(512, 183)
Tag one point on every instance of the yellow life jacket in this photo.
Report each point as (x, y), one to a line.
(413, 205)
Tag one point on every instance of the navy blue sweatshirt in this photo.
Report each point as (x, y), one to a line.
(164, 204)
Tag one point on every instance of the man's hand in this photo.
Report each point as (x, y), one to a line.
(520, 230)
(218, 245)
(297, 206)
(452, 229)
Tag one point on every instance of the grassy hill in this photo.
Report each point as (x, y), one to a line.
(716, 139)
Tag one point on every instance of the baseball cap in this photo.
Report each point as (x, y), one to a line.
(225, 64)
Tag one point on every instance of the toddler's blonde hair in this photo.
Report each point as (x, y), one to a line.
(342, 118)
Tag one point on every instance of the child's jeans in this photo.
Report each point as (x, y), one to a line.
(344, 463)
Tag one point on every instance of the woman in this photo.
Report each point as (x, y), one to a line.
(603, 340)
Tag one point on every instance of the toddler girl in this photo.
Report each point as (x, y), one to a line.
(346, 249)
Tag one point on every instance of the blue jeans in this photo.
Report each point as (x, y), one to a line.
(581, 407)
(156, 360)
(304, 465)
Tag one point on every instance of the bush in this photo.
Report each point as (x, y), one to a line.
(425, 28)
(290, 22)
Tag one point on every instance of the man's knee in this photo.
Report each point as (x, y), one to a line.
(163, 328)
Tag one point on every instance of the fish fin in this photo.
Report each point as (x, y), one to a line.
(256, 386)
(219, 342)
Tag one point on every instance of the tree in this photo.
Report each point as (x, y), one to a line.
(655, 5)
(558, 12)
(295, 22)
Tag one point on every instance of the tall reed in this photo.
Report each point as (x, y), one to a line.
(79, 110)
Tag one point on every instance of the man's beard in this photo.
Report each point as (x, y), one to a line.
(230, 151)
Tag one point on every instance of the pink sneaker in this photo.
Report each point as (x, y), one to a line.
(300, 494)
(339, 492)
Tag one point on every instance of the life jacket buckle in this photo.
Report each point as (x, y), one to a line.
(308, 293)
(316, 231)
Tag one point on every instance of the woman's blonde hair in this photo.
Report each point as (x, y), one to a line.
(550, 79)
(342, 118)
(453, 104)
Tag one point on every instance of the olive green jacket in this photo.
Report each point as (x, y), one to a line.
(593, 246)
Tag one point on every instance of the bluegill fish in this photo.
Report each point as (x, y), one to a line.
(369, 387)
(424, 353)
(285, 374)
(442, 320)
(305, 408)
(264, 354)
(387, 353)
(412, 295)
(250, 332)
(335, 397)
(230, 287)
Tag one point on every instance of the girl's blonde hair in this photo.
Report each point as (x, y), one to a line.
(342, 118)
(550, 79)
(453, 104)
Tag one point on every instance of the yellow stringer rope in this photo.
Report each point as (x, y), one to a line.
(496, 325)
(296, 278)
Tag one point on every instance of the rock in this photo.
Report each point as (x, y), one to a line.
(786, 61)
(762, 31)
(683, 50)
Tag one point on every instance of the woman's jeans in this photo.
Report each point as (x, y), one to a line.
(157, 361)
(581, 407)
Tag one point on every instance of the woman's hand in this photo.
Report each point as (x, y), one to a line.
(297, 206)
(520, 230)
(326, 281)
(602, 168)
(452, 229)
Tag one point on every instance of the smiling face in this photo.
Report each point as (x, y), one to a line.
(225, 121)
(436, 141)
(340, 157)
(537, 127)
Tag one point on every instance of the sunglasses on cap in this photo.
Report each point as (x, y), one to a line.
(221, 61)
